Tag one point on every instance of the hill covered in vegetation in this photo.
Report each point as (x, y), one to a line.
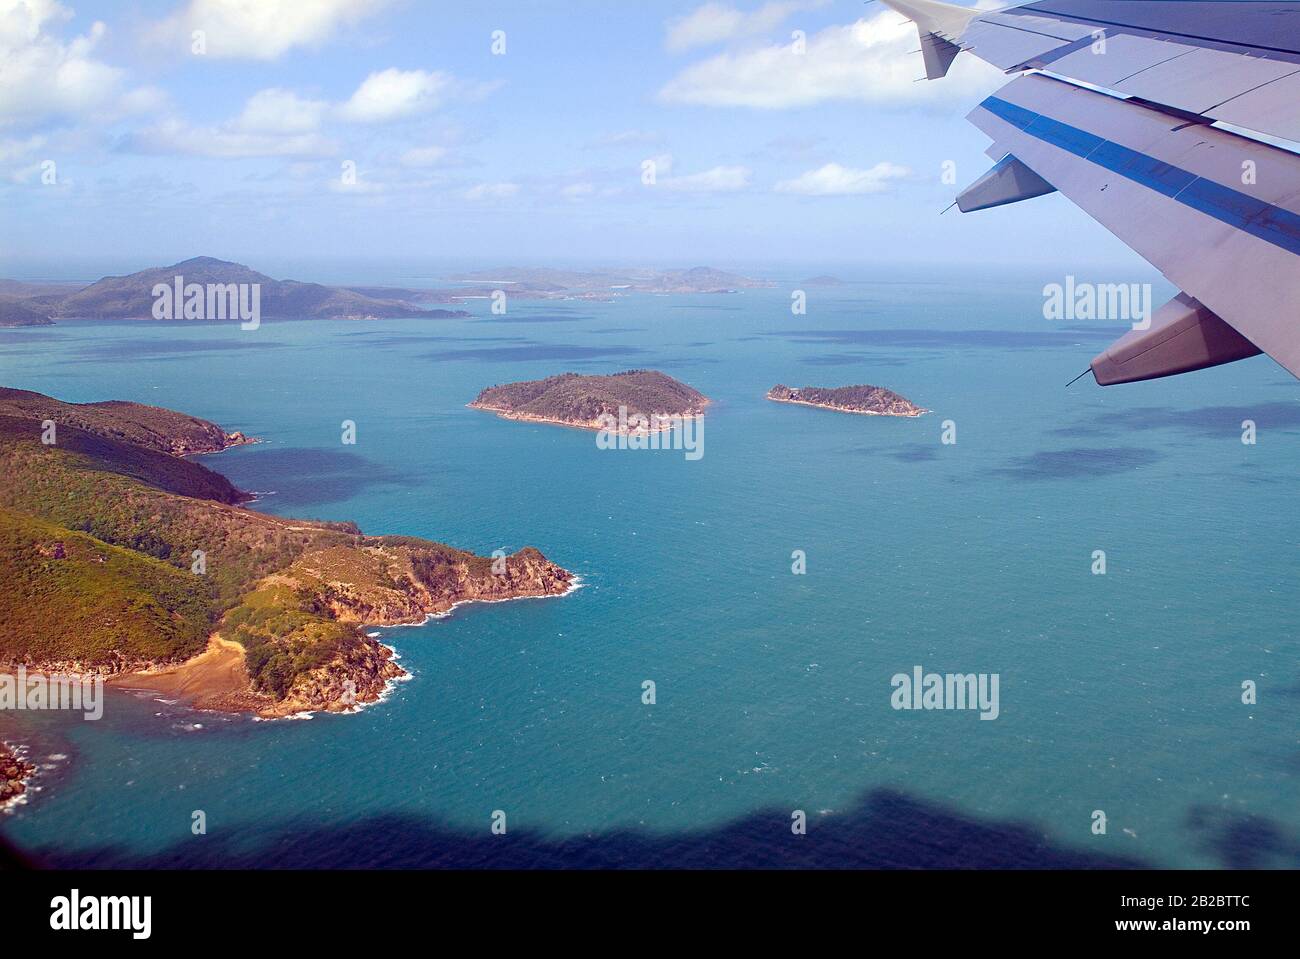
(572, 399)
(152, 427)
(131, 297)
(119, 558)
(17, 311)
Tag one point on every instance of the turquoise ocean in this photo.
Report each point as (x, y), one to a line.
(1119, 693)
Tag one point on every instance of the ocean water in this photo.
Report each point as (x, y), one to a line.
(1119, 692)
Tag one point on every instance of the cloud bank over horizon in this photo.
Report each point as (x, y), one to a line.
(777, 128)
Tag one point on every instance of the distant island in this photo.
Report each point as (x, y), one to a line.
(822, 281)
(98, 538)
(571, 399)
(870, 400)
(132, 297)
(540, 280)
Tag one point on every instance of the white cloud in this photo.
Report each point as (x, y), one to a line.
(357, 187)
(173, 135)
(277, 111)
(424, 156)
(40, 75)
(662, 164)
(279, 122)
(867, 61)
(13, 149)
(273, 123)
(259, 29)
(393, 94)
(576, 191)
(720, 179)
(717, 22)
(492, 191)
(835, 180)
(627, 138)
(142, 100)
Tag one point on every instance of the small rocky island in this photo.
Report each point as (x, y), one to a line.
(864, 399)
(571, 399)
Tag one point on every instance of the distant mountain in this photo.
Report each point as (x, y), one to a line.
(23, 289)
(700, 279)
(571, 399)
(131, 297)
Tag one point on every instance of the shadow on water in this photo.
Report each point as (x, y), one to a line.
(1081, 463)
(309, 477)
(1209, 421)
(534, 318)
(133, 350)
(886, 829)
(853, 359)
(1243, 841)
(943, 339)
(532, 352)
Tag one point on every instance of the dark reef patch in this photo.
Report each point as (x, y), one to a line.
(982, 339)
(1079, 463)
(126, 351)
(532, 352)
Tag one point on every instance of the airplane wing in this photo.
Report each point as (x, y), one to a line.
(1173, 123)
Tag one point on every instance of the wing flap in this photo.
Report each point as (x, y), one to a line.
(1174, 192)
(1124, 57)
(1238, 62)
(1201, 79)
(1272, 108)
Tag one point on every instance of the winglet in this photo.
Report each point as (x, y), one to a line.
(940, 25)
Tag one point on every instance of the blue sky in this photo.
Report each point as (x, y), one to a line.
(762, 153)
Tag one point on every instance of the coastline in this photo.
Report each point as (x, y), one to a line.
(575, 584)
(216, 680)
(593, 426)
(846, 409)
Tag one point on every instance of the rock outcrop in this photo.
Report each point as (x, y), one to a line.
(14, 773)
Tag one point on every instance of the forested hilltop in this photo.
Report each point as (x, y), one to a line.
(572, 399)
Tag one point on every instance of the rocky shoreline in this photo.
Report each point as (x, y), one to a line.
(401, 593)
(14, 774)
(595, 425)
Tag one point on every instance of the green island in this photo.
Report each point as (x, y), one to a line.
(572, 399)
(864, 399)
(98, 537)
